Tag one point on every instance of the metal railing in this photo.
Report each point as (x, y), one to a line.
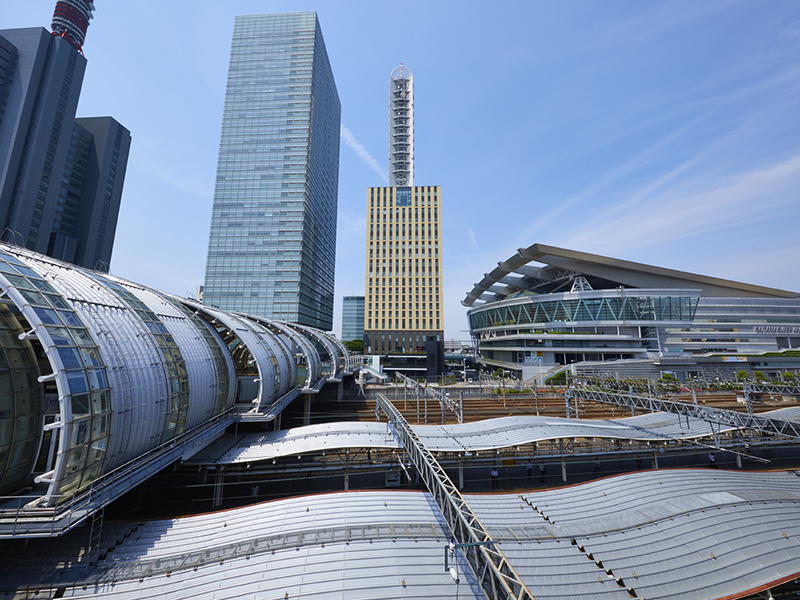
(496, 576)
(49, 516)
(354, 362)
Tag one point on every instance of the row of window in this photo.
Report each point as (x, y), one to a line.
(402, 313)
(397, 236)
(402, 305)
(629, 308)
(401, 323)
(402, 200)
(397, 282)
(400, 215)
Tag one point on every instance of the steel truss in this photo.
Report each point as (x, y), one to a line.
(712, 415)
(767, 388)
(498, 579)
(455, 406)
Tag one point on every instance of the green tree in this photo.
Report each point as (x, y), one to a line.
(354, 345)
(741, 375)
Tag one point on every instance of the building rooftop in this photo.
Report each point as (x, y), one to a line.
(567, 270)
(674, 534)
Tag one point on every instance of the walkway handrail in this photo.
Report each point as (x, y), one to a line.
(496, 576)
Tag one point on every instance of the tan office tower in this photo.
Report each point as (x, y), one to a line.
(403, 283)
(403, 269)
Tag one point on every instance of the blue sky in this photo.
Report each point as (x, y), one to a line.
(661, 132)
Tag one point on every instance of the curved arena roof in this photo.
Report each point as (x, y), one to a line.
(561, 268)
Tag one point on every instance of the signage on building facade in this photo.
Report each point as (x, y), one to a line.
(784, 329)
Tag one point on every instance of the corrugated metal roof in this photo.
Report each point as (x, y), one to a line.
(468, 437)
(310, 438)
(667, 534)
(676, 534)
(334, 546)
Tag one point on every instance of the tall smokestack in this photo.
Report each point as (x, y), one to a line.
(71, 20)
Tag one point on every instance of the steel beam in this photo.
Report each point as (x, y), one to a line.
(772, 388)
(498, 579)
(712, 415)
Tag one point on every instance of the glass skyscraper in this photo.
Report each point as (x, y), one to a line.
(272, 247)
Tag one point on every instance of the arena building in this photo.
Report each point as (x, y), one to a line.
(586, 310)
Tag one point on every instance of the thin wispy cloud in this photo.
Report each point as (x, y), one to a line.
(686, 211)
(188, 182)
(351, 226)
(363, 154)
(607, 180)
(472, 239)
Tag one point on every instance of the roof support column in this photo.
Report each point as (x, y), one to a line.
(306, 409)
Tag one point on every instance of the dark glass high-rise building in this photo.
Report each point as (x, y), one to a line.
(272, 246)
(61, 178)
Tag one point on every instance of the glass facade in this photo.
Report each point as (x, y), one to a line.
(21, 404)
(272, 246)
(352, 318)
(738, 325)
(625, 308)
(86, 416)
(532, 333)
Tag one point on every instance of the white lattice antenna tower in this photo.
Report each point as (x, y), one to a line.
(401, 127)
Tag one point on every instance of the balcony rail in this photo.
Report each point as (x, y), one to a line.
(49, 516)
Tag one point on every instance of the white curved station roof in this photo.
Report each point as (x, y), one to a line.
(299, 440)
(682, 534)
(125, 369)
(378, 545)
(490, 434)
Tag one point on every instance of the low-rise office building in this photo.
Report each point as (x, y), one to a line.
(352, 318)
